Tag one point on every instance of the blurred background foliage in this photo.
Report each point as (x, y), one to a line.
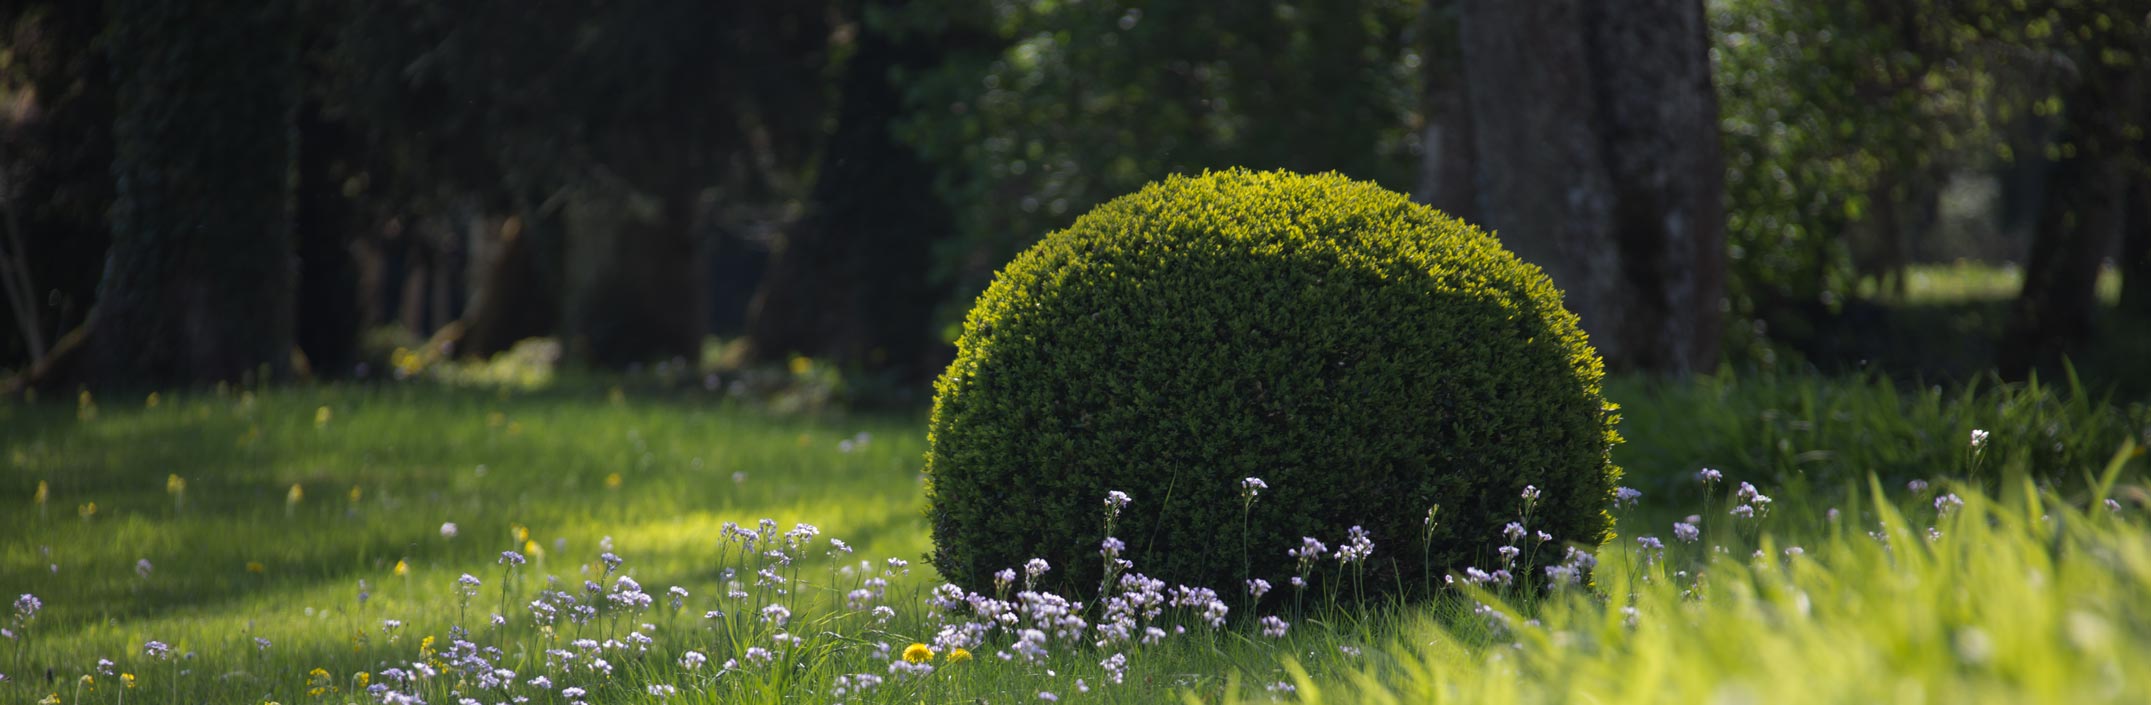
(712, 188)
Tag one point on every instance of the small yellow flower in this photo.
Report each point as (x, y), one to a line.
(531, 548)
(296, 495)
(89, 682)
(85, 407)
(361, 678)
(151, 402)
(44, 492)
(402, 568)
(356, 493)
(53, 699)
(87, 510)
(174, 484)
(127, 679)
(802, 364)
(425, 647)
(918, 653)
(255, 567)
(959, 655)
(612, 482)
(321, 417)
(521, 532)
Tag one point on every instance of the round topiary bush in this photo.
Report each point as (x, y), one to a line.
(1366, 357)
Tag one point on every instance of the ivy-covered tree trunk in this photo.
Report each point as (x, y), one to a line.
(850, 282)
(1598, 152)
(199, 282)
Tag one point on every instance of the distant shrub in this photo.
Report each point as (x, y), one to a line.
(1367, 357)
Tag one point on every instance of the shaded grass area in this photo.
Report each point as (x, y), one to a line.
(564, 474)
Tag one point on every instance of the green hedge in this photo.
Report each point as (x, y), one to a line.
(1367, 357)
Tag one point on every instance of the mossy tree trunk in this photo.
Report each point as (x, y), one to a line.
(850, 282)
(199, 282)
(1598, 154)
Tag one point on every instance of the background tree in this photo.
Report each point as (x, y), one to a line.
(199, 281)
(1087, 101)
(848, 282)
(1597, 141)
(55, 171)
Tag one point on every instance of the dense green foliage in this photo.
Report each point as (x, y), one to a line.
(1368, 358)
(1056, 107)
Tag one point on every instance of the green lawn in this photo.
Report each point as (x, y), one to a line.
(313, 518)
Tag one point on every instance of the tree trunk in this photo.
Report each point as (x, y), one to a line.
(2079, 222)
(850, 281)
(1448, 165)
(2136, 245)
(1596, 129)
(515, 298)
(199, 283)
(634, 278)
(327, 326)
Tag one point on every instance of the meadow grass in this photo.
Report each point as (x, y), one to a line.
(292, 546)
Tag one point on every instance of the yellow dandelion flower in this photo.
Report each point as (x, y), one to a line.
(531, 548)
(356, 493)
(296, 495)
(175, 484)
(959, 655)
(612, 482)
(44, 492)
(402, 568)
(127, 679)
(255, 567)
(918, 653)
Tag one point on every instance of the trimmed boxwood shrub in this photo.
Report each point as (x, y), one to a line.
(1366, 357)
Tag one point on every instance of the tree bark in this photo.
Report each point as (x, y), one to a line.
(1596, 129)
(850, 282)
(199, 282)
(1448, 165)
